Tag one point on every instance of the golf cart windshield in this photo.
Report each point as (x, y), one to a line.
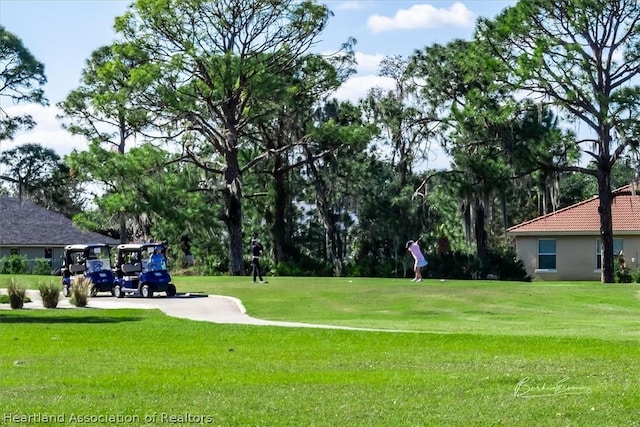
(98, 264)
(156, 263)
(153, 258)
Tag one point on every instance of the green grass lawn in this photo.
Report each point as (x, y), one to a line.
(480, 353)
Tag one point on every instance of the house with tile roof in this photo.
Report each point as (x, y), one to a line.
(565, 245)
(31, 230)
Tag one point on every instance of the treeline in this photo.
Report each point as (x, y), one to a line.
(202, 130)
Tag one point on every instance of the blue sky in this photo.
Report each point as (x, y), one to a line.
(63, 33)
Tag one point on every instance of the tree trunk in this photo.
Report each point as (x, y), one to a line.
(20, 186)
(328, 218)
(479, 229)
(233, 213)
(123, 228)
(331, 231)
(122, 128)
(279, 230)
(606, 224)
(504, 208)
(404, 161)
(465, 210)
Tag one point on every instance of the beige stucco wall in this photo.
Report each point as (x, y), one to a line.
(575, 256)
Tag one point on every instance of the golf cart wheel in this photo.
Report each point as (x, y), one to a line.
(146, 291)
(118, 292)
(171, 290)
(94, 290)
(66, 291)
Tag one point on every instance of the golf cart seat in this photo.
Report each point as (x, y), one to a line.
(130, 269)
(76, 268)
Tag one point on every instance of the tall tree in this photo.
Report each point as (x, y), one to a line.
(331, 164)
(21, 81)
(102, 109)
(540, 147)
(29, 167)
(387, 216)
(583, 56)
(284, 128)
(214, 63)
(406, 126)
(475, 118)
(62, 192)
(491, 136)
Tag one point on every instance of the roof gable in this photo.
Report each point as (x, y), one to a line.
(584, 218)
(24, 223)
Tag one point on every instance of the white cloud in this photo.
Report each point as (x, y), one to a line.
(368, 63)
(48, 132)
(357, 87)
(365, 63)
(422, 16)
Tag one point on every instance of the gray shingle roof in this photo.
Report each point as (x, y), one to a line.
(23, 223)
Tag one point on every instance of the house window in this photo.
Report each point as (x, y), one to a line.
(546, 254)
(618, 246)
(48, 255)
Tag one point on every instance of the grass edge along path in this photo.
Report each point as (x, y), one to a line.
(571, 309)
(560, 309)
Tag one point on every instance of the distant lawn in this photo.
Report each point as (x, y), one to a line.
(487, 353)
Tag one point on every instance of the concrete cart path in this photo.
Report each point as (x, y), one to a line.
(202, 307)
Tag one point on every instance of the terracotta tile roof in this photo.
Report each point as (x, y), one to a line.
(583, 217)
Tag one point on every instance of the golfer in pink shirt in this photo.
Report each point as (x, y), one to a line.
(420, 260)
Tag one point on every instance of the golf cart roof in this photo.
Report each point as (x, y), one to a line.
(152, 245)
(129, 246)
(83, 247)
(139, 246)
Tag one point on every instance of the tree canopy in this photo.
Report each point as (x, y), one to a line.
(207, 121)
(583, 57)
(22, 79)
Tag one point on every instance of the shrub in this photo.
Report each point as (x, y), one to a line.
(80, 288)
(212, 266)
(370, 267)
(450, 265)
(50, 293)
(4, 299)
(16, 291)
(621, 272)
(14, 264)
(502, 264)
(41, 267)
(286, 269)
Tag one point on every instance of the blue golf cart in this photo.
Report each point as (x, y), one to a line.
(92, 262)
(141, 268)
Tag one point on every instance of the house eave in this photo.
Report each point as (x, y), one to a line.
(31, 245)
(571, 233)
